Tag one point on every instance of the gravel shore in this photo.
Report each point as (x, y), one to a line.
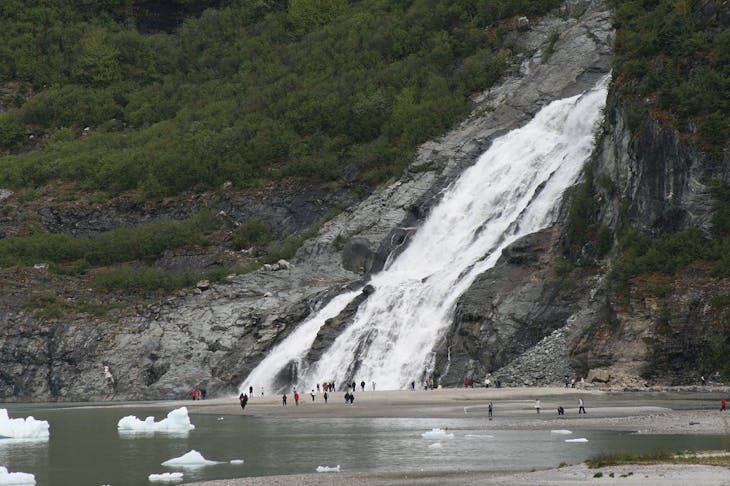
(648, 411)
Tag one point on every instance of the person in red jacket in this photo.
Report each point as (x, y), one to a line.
(722, 405)
(296, 398)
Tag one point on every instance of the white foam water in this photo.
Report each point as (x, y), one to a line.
(513, 189)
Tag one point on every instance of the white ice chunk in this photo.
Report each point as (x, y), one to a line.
(176, 421)
(582, 439)
(8, 478)
(435, 445)
(437, 434)
(328, 468)
(237, 461)
(166, 477)
(483, 436)
(190, 459)
(22, 428)
(561, 432)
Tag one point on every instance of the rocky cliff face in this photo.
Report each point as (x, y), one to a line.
(541, 316)
(664, 329)
(532, 319)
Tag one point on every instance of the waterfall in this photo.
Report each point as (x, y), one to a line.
(513, 189)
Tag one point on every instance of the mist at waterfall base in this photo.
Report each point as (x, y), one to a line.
(513, 189)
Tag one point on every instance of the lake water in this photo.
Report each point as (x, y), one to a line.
(86, 449)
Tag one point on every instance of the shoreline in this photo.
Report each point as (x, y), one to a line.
(650, 411)
(645, 475)
(670, 412)
(645, 411)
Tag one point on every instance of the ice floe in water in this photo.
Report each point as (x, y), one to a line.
(7, 478)
(582, 439)
(479, 436)
(435, 445)
(190, 459)
(437, 434)
(22, 428)
(177, 421)
(561, 432)
(237, 461)
(328, 468)
(170, 477)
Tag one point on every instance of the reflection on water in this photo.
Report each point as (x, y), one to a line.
(85, 448)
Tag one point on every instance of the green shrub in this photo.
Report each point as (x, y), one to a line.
(114, 246)
(252, 233)
(248, 93)
(12, 133)
(142, 279)
(617, 458)
(145, 279)
(669, 59)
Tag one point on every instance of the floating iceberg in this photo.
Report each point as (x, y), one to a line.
(328, 469)
(435, 445)
(561, 431)
(237, 461)
(176, 421)
(8, 478)
(22, 428)
(191, 459)
(437, 434)
(166, 477)
(582, 439)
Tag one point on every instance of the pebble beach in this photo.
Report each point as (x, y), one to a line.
(649, 411)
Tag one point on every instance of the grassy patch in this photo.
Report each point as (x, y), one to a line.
(658, 457)
(125, 277)
(49, 306)
(73, 254)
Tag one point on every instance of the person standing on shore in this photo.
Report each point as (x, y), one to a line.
(490, 410)
(581, 408)
(296, 398)
(722, 405)
(283, 399)
(537, 406)
(325, 396)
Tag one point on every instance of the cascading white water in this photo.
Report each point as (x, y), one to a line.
(511, 191)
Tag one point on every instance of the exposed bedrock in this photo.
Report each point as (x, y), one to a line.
(214, 337)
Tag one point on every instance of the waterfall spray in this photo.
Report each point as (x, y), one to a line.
(513, 189)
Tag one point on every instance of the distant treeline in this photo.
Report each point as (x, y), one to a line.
(254, 91)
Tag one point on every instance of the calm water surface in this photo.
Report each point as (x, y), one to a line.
(86, 449)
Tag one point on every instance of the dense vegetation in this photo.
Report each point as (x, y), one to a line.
(257, 90)
(253, 91)
(673, 63)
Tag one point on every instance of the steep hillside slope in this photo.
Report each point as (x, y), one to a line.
(214, 336)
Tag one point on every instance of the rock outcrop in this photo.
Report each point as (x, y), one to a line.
(533, 303)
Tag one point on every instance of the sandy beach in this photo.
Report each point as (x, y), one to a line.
(648, 411)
